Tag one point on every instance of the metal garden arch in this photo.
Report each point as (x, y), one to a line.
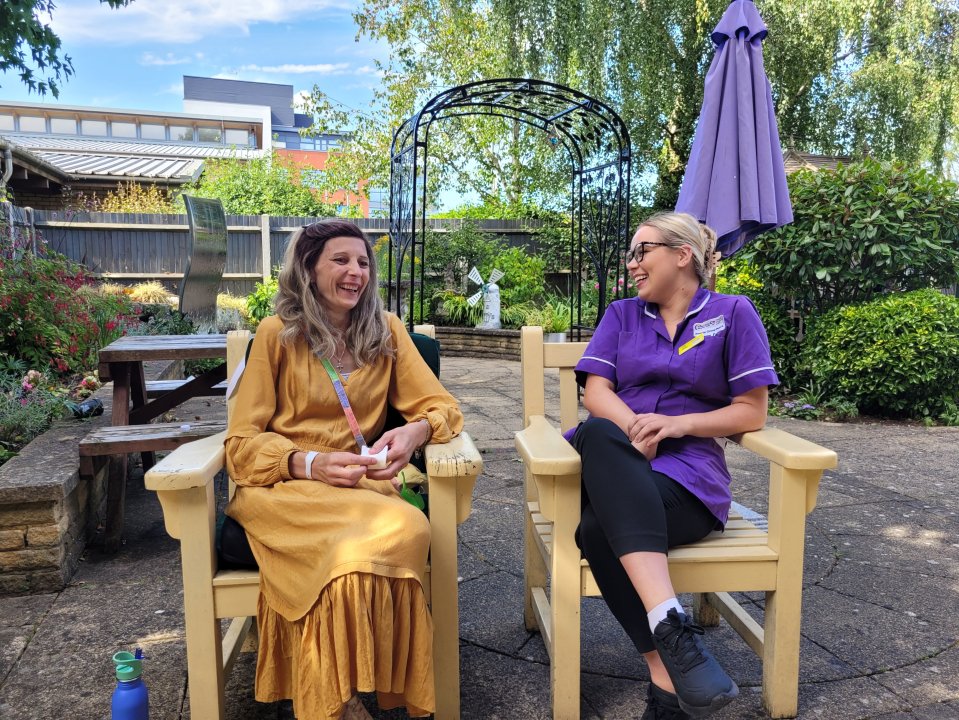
(593, 135)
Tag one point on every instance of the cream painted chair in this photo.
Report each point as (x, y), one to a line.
(183, 481)
(743, 558)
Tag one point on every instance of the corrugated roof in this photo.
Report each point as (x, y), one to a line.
(131, 147)
(81, 165)
(794, 160)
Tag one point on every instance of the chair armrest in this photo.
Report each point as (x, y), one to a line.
(545, 451)
(456, 458)
(787, 450)
(452, 469)
(192, 465)
(799, 461)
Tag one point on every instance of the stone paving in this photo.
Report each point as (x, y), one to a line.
(881, 592)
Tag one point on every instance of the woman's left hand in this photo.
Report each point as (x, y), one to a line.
(402, 442)
(651, 428)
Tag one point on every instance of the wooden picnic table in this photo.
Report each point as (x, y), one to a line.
(135, 404)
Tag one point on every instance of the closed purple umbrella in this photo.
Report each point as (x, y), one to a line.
(735, 181)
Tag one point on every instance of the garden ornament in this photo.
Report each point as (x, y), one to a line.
(490, 294)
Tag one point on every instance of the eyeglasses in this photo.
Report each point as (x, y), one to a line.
(638, 251)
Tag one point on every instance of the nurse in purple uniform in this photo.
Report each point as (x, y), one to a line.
(666, 373)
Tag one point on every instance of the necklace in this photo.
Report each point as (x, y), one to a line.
(338, 362)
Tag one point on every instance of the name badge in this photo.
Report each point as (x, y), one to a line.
(713, 326)
(691, 344)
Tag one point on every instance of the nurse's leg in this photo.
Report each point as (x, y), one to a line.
(646, 513)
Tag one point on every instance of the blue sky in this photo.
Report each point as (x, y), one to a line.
(135, 57)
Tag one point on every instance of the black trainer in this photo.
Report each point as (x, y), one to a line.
(702, 686)
(662, 705)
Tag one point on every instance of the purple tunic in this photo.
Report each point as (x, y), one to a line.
(720, 351)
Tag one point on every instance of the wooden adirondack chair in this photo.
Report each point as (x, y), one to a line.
(183, 481)
(743, 558)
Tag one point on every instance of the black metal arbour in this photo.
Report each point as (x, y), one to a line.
(592, 133)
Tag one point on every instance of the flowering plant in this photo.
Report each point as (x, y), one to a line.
(51, 315)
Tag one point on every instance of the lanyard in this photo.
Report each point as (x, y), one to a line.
(345, 402)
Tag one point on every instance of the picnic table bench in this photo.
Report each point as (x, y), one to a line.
(137, 402)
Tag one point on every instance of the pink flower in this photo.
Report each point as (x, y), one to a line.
(596, 286)
(27, 386)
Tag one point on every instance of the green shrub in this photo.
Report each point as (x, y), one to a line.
(27, 408)
(456, 310)
(51, 316)
(163, 320)
(862, 231)
(738, 277)
(895, 356)
(524, 279)
(259, 303)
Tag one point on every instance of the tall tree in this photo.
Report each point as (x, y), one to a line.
(22, 31)
(848, 76)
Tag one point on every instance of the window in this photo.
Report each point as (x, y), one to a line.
(209, 135)
(323, 143)
(63, 126)
(93, 127)
(240, 138)
(152, 132)
(28, 123)
(6, 122)
(123, 129)
(182, 133)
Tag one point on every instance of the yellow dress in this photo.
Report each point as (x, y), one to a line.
(341, 603)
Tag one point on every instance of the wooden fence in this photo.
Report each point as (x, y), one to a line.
(133, 247)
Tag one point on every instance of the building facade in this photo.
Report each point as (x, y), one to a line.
(49, 152)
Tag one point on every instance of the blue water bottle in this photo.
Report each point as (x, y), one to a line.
(130, 701)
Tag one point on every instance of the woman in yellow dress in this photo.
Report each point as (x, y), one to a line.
(341, 554)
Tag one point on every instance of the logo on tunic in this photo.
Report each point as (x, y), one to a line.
(713, 326)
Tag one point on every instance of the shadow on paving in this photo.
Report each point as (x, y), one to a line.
(881, 593)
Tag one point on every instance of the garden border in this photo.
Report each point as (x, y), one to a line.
(48, 513)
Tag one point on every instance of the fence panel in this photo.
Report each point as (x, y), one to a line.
(133, 247)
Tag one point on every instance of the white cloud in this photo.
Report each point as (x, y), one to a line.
(290, 69)
(149, 58)
(172, 89)
(369, 70)
(178, 21)
(299, 99)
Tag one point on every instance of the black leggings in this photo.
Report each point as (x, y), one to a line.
(629, 507)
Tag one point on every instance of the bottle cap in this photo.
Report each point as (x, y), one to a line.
(129, 667)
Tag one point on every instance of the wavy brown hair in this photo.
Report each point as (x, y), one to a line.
(303, 315)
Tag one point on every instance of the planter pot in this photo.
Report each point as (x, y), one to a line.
(554, 337)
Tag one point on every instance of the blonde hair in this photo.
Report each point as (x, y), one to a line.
(678, 229)
(303, 315)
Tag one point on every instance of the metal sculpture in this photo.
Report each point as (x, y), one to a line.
(596, 141)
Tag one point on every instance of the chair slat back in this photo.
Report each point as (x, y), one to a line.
(237, 342)
(536, 356)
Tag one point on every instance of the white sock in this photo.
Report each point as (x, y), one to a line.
(658, 613)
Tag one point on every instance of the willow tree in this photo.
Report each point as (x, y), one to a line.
(848, 76)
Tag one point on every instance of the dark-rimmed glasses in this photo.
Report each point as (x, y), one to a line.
(638, 251)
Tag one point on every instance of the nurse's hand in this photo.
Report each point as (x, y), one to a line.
(651, 428)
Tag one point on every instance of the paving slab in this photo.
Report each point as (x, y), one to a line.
(880, 635)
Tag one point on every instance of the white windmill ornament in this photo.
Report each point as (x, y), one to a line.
(489, 292)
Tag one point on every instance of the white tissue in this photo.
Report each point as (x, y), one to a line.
(380, 457)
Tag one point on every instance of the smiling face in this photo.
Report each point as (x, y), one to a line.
(341, 274)
(661, 271)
